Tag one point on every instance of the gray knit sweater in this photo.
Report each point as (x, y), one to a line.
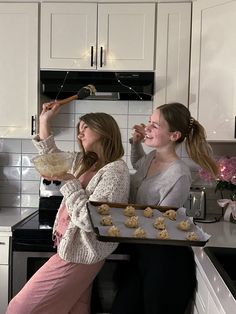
(109, 184)
(169, 187)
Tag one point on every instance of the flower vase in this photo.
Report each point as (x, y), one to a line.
(230, 212)
(232, 205)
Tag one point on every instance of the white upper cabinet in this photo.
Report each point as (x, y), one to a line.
(213, 67)
(172, 53)
(89, 36)
(18, 68)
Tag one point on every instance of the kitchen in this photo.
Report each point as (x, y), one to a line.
(190, 62)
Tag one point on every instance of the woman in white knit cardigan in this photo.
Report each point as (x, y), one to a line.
(63, 284)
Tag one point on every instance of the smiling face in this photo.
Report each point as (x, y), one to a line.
(157, 132)
(89, 138)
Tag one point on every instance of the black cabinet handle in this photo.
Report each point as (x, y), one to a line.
(91, 56)
(101, 56)
(33, 125)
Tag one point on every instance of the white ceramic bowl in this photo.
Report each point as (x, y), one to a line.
(53, 164)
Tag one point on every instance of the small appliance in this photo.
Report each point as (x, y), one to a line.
(196, 203)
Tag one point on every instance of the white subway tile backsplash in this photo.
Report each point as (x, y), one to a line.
(137, 119)
(68, 108)
(26, 160)
(107, 106)
(7, 159)
(121, 120)
(63, 134)
(10, 200)
(10, 146)
(28, 146)
(64, 120)
(9, 187)
(68, 146)
(10, 173)
(29, 200)
(30, 187)
(29, 174)
(140, 107)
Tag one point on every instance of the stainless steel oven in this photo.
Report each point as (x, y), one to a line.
(25, 264)
(32, 246)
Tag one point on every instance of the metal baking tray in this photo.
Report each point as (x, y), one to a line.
(176, 236)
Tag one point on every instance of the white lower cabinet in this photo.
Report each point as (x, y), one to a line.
(4, 272)
(206, 301)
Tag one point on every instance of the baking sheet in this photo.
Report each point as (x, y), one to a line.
(176, 236)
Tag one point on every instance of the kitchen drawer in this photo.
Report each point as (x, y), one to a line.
(4, 250)
(201, 298)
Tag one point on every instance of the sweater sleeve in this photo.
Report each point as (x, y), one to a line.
(137, 152)
(110, 184)
(45, 146)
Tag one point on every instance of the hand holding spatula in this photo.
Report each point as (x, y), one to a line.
(83, 93)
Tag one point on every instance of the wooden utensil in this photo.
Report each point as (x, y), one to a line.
(83, 93)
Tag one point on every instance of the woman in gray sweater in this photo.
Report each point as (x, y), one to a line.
(63, 284)
(161, 278)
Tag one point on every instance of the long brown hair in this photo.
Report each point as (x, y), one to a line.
(110, 138)
(179, 119)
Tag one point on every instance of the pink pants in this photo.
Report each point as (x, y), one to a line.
(58, 287)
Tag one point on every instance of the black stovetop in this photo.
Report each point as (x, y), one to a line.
(35, 232)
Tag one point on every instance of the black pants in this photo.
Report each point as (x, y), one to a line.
(159, 280)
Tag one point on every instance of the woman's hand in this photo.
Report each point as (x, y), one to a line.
(48, 112)
(139, 133)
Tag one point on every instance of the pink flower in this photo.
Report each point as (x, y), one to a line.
(227, 168)
(205, 175)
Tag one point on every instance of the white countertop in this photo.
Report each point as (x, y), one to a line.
(223, 234)
(11, 216)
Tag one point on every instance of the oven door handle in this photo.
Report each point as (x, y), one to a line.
(33, 247)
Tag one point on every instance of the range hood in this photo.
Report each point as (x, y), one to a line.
(109, 85)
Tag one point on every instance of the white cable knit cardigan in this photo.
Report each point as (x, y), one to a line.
(109, 184)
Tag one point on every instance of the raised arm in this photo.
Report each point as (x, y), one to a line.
(137, 151)
(49, 111)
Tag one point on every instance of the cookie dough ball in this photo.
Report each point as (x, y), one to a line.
(171, 214)
(184, 225)
(163, 234)
(104, 209)
(159, 223)
(192, 236)
(129, 211)
(132, 222)
(106, 220)
(114, 231)
(140, 233)
(148, 212)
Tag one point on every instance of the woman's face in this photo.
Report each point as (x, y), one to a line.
(157, 131)
(89, 139)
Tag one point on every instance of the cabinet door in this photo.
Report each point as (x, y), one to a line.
(126, 36)
(172, 53)
(18, 68)
(68, 35)
(3, 288)
(213, 67)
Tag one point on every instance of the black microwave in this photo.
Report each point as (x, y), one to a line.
(109, 85)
